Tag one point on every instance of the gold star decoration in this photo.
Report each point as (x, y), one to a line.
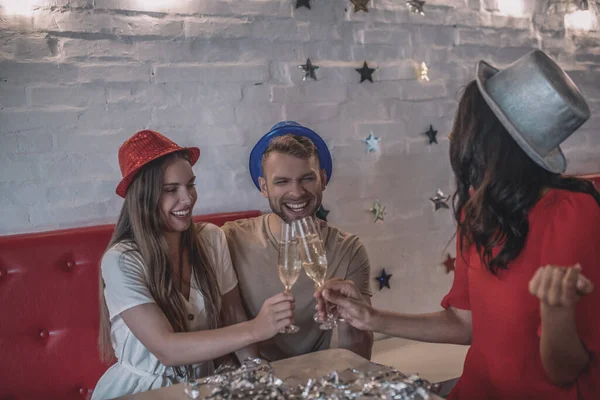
(378, 211)
(360, 5)
(424, 72)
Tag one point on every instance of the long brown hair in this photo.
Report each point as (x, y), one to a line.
(496, 182)
(140, 224)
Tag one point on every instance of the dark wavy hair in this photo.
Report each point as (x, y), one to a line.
(496, 183)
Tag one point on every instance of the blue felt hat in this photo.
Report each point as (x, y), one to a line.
(284, 128)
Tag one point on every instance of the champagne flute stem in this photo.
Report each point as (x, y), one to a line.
(328, 305)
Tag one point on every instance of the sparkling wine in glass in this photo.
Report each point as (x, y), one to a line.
(314, 260)
(289, 263)
(192, 389)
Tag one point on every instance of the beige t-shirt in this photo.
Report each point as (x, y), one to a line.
(254, 253)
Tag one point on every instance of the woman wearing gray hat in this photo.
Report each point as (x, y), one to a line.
(528, 244)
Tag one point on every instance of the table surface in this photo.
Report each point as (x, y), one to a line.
(304, 367)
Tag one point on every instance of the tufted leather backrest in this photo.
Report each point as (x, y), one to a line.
(49, 310)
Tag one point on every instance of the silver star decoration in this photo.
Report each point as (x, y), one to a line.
(440, 200)
(378, 211)
(416, 6)
(372, 143)
(309, 70)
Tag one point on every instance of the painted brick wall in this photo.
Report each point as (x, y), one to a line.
(79, 77)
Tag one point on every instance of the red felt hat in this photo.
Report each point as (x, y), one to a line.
(143, 147)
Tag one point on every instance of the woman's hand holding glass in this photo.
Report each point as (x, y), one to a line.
(276, 313)
(349, 302)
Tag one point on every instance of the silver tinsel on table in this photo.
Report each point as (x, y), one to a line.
(255, 380)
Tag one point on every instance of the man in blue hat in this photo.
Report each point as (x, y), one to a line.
(291, 166)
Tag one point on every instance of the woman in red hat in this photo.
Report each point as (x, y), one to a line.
(168, 290)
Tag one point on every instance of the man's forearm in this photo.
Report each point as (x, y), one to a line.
(563, 355)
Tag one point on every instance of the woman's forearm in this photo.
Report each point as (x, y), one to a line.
(447, 326)
(563, 354)
(233, 313)
(185, 348)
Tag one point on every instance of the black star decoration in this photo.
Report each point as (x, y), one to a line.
(449, 263)
(303, 3)
(322, 213)
(384, 280)
(416, 6)
(366, 73)
(360, 5)
(440, 200)
(309, 70)
(431, 133)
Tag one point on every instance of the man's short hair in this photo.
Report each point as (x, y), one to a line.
(293, 145)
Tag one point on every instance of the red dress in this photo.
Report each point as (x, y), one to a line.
(504, 359)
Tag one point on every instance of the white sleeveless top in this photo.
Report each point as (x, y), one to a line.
(123, 271)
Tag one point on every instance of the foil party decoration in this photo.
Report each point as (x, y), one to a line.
(449, 263)
(303, 3)
(322, 213)
(372, 142)
(308, 70)
(383, 279)
(255, 380)
(360, 5)
(366, 73)
(416, 6)
(431, 134)
(440, 200)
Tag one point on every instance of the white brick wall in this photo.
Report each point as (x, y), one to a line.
(78, 77)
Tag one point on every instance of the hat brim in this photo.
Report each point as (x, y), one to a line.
(555, 160)
(193, 152)
(260, 147)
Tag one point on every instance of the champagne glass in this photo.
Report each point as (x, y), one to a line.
(314, 260)
(192, 388)
(289, 263)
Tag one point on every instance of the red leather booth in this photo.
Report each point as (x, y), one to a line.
(49, 311)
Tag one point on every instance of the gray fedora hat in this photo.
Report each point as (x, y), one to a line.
(538, 104)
